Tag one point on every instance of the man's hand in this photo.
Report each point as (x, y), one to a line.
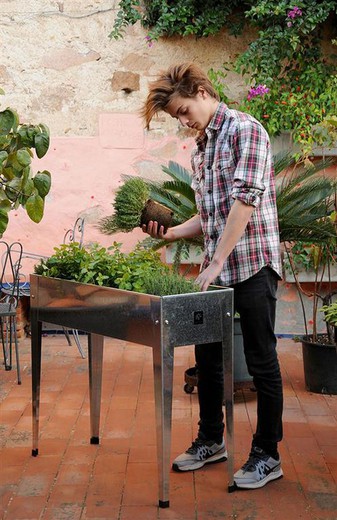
(156, 231)
(208, 275)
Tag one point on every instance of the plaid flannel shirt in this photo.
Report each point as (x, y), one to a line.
(233, 160)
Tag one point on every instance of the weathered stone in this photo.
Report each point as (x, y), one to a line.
(127, 81)
(139, 62)
(65, 58)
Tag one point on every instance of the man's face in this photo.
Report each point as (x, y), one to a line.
(193, 112)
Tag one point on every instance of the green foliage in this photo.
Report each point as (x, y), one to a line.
(171, 283)
(140, 271)
(128, 205)
(330, 313)
(18, 185)
(305, 201)
(286, 60)
(307, 256)
(184, 17)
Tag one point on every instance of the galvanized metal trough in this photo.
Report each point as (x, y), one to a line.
(162, 323)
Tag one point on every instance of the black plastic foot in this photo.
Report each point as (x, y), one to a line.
(94, 440)
(164, 503)
(232, 488)
(8, 368)
(35, 453)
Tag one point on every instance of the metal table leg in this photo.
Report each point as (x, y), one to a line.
(163, 382)
(95, 351)
(36, 328)
(227, 349)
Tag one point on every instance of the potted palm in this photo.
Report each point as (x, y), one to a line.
(307, 213)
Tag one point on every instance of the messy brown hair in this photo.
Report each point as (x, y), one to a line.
(179, 80)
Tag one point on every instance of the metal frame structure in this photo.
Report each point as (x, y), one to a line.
(162, 323)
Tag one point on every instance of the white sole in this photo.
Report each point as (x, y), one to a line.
(272, 476)
(218, 457)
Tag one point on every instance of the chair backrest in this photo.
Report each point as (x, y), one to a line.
(76, 233)
(11, 255)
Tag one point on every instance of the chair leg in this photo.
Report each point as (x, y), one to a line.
(78, 342)
(66, 333)
(15, 334)
(4, 344)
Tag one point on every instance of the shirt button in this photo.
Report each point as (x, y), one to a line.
(210, 214)
(209, 191)
(209, 167)
(211, 237)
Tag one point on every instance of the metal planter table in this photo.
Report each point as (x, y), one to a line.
(162, 323)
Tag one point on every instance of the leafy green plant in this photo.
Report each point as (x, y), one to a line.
(305, 200)
(140, 270)
(292, 86)
(167, 18)
(18, 185)
(306, 256)
(330, 313)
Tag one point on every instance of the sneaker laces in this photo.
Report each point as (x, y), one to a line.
(252, 462)
(193, 449)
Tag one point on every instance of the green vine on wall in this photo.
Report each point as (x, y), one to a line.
(292, 86)
(182, 17)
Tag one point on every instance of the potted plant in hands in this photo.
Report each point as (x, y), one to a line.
(133, 207)
(307, 213)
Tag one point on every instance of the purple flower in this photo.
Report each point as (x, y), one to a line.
(296, 11)
(289, 24)
(259, 90)
(149, 40)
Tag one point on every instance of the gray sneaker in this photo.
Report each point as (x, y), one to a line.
(200, 453)
(259, 469)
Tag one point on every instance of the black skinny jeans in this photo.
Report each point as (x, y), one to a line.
(255, 301)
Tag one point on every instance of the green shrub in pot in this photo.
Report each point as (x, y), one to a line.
(140, 270)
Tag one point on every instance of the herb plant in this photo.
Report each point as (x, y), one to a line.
(140, 270)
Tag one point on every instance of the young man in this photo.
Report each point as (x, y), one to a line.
(234, 189)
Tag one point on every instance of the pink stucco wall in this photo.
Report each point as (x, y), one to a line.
(86, 171)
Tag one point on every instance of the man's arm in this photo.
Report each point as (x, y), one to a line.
(189, 229)
(237, 221)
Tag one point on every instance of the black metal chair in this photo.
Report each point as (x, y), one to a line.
(75, 234)
(11, 256)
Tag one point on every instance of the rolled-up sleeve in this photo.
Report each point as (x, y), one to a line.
(251, 148)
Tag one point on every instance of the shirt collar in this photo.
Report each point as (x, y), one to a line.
(218, 118)
(214, 124)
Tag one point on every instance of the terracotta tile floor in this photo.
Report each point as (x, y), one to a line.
(117, 480)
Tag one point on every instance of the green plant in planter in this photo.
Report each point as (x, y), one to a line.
(18, 185)
(140, 270)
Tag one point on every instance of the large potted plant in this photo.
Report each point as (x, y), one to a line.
(307, 211)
